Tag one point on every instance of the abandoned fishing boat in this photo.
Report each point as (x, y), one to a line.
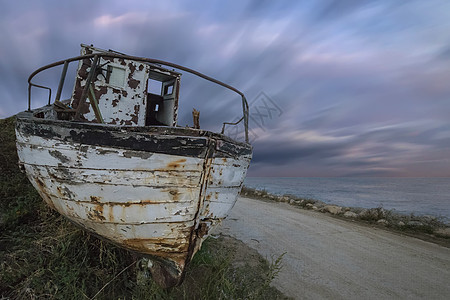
(113, 160)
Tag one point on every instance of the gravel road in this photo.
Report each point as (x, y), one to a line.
(328, 258)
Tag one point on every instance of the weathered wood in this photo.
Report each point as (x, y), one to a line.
(196, 118)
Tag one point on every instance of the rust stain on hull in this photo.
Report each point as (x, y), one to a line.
(168, 248)
(42, 191)
(176, 164)
(95, 199)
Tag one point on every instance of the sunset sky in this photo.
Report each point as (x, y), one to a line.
(355, 87)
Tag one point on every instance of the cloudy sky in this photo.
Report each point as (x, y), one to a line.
(337, 88)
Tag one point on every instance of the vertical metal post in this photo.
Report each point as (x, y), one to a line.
(29, 97)
(61, 81)
(86, 87)
(49, 94)
(245, 109)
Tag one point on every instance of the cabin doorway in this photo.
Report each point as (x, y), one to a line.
(162, 100)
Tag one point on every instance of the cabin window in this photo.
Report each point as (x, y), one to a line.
(154, 87)
(168, 89)
(116, 76)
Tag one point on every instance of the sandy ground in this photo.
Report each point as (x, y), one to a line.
(328, 258)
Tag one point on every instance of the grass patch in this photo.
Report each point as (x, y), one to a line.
(43, 255)
(222, 269)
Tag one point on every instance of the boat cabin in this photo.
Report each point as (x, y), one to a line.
(117, 89)
(125, 92)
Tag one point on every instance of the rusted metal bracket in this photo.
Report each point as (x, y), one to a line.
(86, 87)
(231, 123)
(94, 103)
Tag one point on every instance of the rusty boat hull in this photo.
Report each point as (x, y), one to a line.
(155, 190)
(113, 159)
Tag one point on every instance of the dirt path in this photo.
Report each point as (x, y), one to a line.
(327, 258)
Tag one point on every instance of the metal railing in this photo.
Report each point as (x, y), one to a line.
(96, 56)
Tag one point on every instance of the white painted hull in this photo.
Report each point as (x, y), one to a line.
(161, 205)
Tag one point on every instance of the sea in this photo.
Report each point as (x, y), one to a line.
(418, 196)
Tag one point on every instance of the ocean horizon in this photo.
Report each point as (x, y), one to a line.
(406, 195)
